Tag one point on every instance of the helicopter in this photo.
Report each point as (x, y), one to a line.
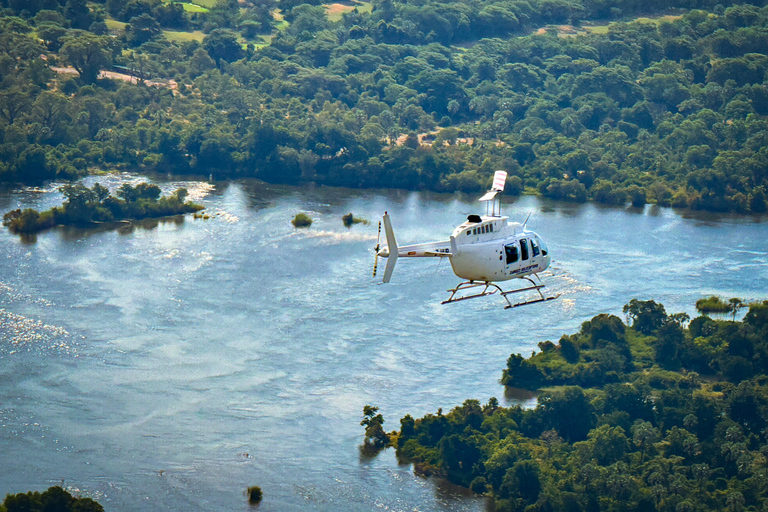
(484, 250)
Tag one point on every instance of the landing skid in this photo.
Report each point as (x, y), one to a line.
(490, 288)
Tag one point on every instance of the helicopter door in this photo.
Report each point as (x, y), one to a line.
(524, 249)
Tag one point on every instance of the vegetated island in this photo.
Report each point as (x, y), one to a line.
(88, 206)
(54, 499)
(663, 414)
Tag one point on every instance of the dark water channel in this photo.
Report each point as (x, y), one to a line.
(171, 366)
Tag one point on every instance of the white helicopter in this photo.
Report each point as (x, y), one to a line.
(483, 250)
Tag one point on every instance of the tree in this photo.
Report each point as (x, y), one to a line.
(78, 14)
(568, 412)
(647, 316)
(200, 62)
(735, 304)
(79, 206)
(644, 434)
(51, 34)
(87, 53)
(141, 29)
(14, 102)
(221, 44)
(375, 437)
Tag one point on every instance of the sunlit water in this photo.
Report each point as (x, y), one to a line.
(170, 367)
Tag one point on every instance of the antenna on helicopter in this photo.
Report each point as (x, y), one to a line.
(526, 221)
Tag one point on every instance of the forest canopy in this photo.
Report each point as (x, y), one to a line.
(576, 99)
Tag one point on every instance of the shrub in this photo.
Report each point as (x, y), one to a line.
(301, 220)
(349, 220)
(713, 305)
(254, 494)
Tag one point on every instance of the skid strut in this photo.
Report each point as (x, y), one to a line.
(465, 285)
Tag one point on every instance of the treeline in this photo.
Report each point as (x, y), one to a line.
(606, 351)
(672, 113)
(84, 206)
(677, 420)
(54, 499)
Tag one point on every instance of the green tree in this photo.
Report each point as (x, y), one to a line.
(87, 53)
(222, 45)
(375, 437)
(647, 316)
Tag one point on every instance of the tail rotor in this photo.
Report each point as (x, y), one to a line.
(376, 251)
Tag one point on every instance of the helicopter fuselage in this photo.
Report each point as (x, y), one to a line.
(488, 249)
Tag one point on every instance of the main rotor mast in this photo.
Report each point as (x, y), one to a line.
(491, 199)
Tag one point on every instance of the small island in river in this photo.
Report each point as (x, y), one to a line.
(88, 206)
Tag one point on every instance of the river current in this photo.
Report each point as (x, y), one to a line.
(170, 366)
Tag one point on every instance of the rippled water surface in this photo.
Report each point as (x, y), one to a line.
(170, 366)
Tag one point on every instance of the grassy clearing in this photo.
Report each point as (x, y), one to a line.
(603, 28)
(183, 37)
(336, 10)
(596, 29)
(194, 7)
(115, 26)
(669, 18)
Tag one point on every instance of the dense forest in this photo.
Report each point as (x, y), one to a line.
(663, 414)
(418, 94)
(55, 499)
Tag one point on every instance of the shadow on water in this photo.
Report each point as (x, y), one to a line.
(28, 238)
(70, 233)
(260, 194)
(367, 453)
(445, 491)
(519, 396)
(564, 208)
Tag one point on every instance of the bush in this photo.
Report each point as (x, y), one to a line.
(301, 220)
(254, 494)
(713, 305)
(349, 220)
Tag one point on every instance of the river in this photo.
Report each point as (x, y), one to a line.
(170, 366)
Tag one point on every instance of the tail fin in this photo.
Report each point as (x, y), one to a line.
(391, 246)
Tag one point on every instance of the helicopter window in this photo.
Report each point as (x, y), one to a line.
(469, 232)
(511, 251)
(491, 227)
(524, 249)
(543, 246)
(534, 248)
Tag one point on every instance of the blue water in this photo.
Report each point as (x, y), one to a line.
(170, 366)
